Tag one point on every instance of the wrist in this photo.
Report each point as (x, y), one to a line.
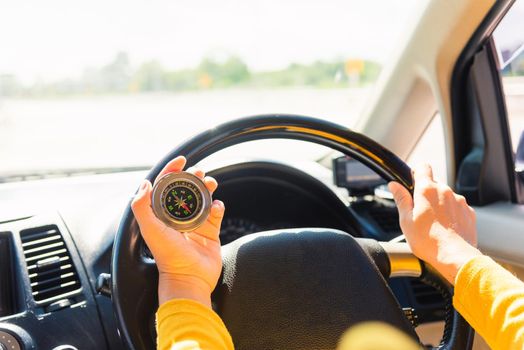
(451, 259)
(183, 287)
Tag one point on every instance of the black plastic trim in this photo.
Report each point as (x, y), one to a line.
(477, 102)
(282, 176)
(80, 324)
(11, 298)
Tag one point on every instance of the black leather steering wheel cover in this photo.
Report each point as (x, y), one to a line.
(134, 276)
(285, 289)
(458, 334)
(286, 126)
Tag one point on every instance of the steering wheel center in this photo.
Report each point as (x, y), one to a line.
(301, 288)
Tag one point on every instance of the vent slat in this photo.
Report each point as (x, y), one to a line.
(40, 241)
(33, 267)
(44, 247)
(38, 234)
(52, 274)
(59, 269)
(54, 288)
(45, 255)
(58, 279)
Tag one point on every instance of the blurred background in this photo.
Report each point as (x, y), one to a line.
(117, 84)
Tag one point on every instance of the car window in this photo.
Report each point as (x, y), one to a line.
(509, 41)
(117, 84)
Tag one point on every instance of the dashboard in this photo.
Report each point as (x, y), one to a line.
(56, 238)
(262, 196)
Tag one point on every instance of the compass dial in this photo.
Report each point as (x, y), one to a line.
(181, 200)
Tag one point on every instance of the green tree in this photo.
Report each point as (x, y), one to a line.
(223, 74)
(150, 76)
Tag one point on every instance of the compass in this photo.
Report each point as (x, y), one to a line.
(181, 200)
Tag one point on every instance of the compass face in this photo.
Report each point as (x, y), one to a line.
(182, 200)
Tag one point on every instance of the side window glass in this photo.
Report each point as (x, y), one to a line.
(509, 40)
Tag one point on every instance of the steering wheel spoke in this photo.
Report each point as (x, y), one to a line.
(402, 262)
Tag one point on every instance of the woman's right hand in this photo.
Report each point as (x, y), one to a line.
(438, 224)
(189, 263)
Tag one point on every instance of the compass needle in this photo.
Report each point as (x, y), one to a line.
(181, 200)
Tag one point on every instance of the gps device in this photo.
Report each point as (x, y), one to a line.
(355, 176)
(181, 200)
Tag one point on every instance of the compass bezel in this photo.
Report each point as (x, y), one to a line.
(163, 185)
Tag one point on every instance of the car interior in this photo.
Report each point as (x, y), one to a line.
(75, 273)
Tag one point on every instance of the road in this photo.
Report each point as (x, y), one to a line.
(128, 130)
(139, 129)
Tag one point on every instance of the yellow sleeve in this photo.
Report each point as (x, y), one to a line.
(491, 299)
(184, 324)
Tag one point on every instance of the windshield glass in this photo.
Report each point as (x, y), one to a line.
(117, 84)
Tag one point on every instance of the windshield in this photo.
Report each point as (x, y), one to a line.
(117, 84)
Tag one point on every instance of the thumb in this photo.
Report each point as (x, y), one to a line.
(402, 198)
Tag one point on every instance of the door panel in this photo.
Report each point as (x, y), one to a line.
(501, 234)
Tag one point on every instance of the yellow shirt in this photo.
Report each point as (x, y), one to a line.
(489, 297)
(184, 324)
(492, 300)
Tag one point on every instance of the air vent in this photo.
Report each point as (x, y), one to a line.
(426, 295)
(51, 271)
(386, 218)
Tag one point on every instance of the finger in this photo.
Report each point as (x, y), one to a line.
(211, 184)
(141, 205)
(174, 166)
(422, 173)
(211, 228)
(197, 172)
(402, 198)
(217, 213)
(461, 200)
(151, 228)
(446, 195)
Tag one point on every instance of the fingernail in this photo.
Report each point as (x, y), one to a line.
(143, 185)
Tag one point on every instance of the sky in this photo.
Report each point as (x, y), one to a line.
(57, 39)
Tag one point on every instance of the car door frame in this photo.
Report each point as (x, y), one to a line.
(483, 150)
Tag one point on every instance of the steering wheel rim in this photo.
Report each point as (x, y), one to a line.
(134, 275)
(287, 126)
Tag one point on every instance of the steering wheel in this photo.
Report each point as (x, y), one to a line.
(286, 289)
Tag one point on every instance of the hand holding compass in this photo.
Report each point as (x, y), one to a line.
(188, 259)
